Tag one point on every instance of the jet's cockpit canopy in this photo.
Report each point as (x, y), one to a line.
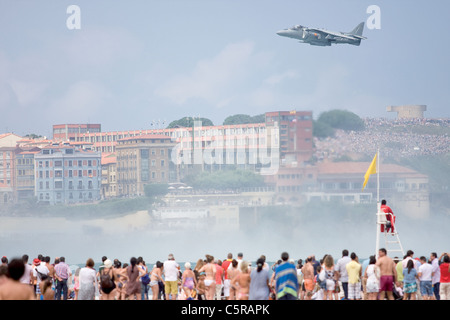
(297, 27)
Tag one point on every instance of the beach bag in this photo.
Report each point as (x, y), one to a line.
(106, 281)
(145, 279)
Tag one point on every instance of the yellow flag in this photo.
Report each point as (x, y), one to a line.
(372, 170)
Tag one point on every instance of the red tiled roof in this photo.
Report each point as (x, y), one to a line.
(108, 158)
(360, 168)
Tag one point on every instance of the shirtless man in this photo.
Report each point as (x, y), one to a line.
(210, 280)
(308, 278)
(388, 274)
(50, 267)
(11, 288)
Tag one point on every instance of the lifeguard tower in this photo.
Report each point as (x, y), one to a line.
(391, 238)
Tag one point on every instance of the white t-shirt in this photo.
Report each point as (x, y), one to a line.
(426, 269)
(341, 268)
(171, 270)
(42, 269)
(27, 274)
(87, 276)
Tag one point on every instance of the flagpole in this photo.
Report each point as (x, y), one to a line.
(378, 233)
(378, 175)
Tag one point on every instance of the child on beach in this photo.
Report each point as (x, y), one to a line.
(201, 286)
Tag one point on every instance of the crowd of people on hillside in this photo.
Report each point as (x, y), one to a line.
(346, 278)
(390, 135)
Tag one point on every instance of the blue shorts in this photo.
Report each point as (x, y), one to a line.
(426, 288)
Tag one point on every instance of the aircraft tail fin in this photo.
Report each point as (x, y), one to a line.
(358, 30)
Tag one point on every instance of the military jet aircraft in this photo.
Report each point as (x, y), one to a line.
(322, 37)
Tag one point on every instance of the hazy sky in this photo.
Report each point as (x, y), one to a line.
(134, 62)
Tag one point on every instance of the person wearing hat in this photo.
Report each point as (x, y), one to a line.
(107, 281)
(40, 272)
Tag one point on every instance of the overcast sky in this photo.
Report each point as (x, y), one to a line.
(134, 62)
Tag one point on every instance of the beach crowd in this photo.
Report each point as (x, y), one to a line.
(345, 278)
(394, 136)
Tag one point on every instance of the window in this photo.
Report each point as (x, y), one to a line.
(58, 163)
(58, 184)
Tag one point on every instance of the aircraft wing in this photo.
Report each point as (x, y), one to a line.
(335, 34)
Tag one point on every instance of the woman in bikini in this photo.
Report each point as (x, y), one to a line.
(155, 277)
(242, 279)
(210, 279)
(121, 280)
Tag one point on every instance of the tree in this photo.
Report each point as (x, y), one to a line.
(189, 122)
(322, 130)
(227, 179)
(33, 136)
(244, 118)
(342, 119)
(156, 189)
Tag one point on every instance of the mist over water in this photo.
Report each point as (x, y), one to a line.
(319, 230)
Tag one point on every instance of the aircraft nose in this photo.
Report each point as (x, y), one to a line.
(281, 32)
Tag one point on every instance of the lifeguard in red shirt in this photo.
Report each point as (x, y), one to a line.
(389, 217)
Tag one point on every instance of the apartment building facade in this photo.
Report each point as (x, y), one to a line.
(25, 176)
(65, 174)
(142, 160)
(109, 176)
